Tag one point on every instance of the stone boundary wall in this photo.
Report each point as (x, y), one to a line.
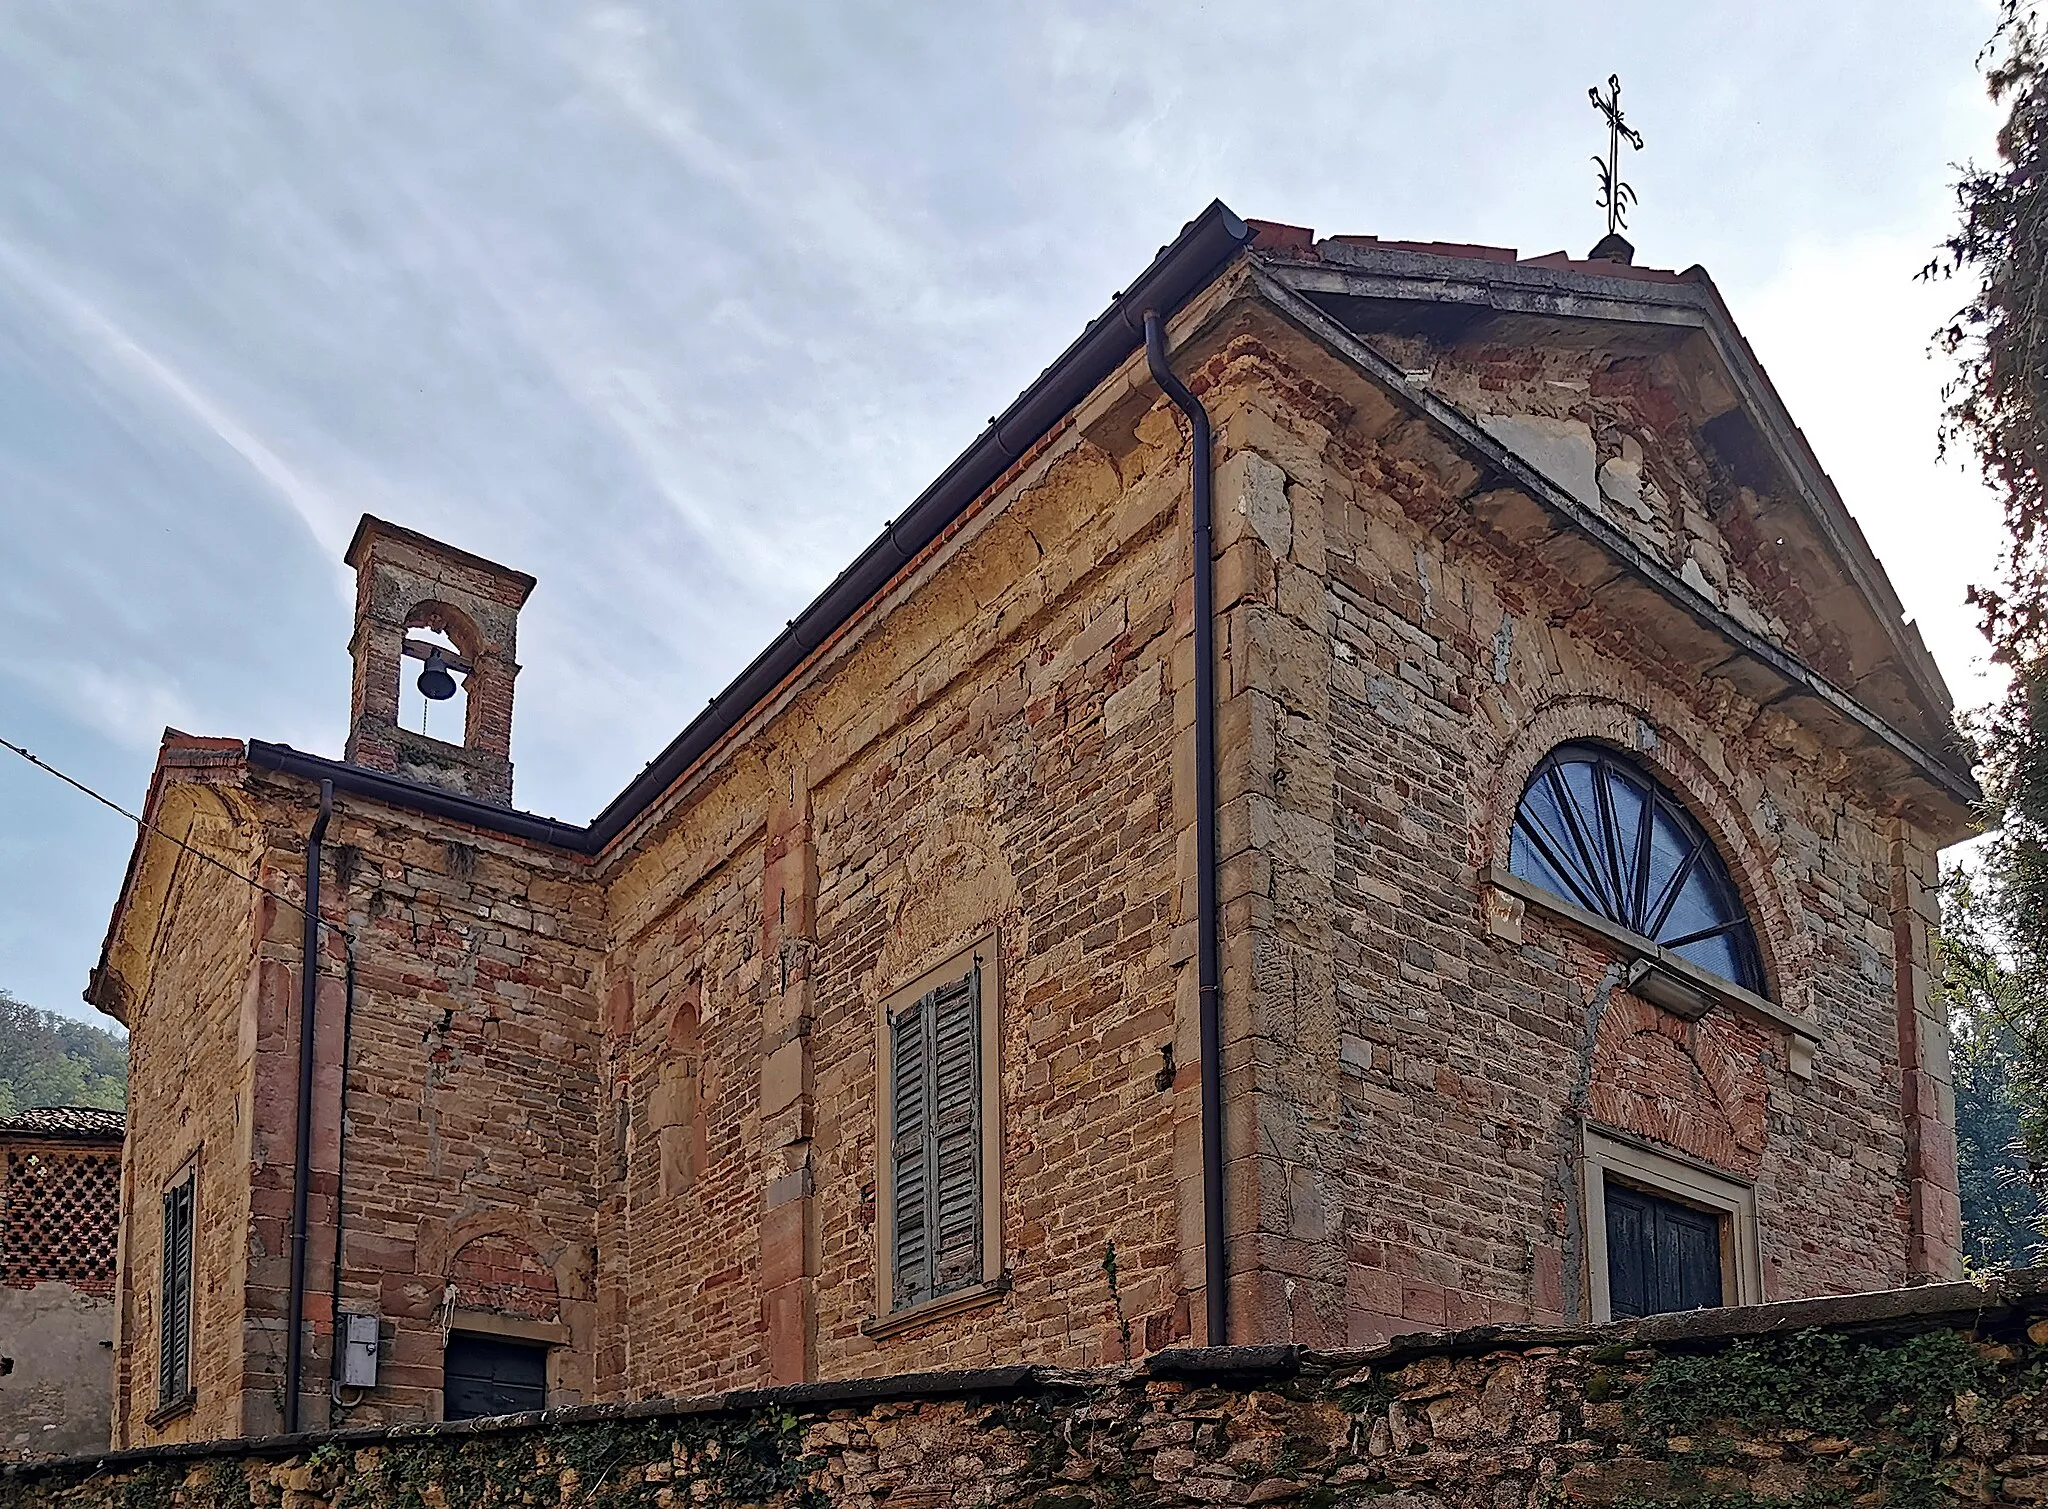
(1915, 1398)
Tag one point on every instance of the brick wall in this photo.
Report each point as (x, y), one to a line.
(649, 1082)
(473, 1103)
(1422, 1070)
(192, 1039)
(996, 756)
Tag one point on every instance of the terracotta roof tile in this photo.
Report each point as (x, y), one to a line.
(67, 1121)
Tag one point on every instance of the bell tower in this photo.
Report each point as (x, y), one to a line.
(412, 591)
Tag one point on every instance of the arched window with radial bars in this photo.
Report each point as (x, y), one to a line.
(1596, 830)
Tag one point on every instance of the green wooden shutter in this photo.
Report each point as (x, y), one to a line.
(910, 1261)
(956, 1134)
(935, 1092)
(174, 1323)
(167, 1303)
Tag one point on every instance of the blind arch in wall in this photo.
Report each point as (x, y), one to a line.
(1595, 829)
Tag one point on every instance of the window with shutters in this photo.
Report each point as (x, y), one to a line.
(1664, 1233)
(174, 1292)
(939, 1144)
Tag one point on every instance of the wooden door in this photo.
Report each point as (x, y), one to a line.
(1661, 1255)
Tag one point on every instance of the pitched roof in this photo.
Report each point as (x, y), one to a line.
(82, 1122)
(1466, 284)
(1460, 293)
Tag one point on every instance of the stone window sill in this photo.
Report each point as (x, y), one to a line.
(878, 1326)
(1638, 949)
(170, 1409)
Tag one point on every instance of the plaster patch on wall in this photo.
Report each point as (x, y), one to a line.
(1503, 648)
(1561, 449)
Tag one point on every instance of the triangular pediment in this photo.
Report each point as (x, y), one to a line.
(1629, 402)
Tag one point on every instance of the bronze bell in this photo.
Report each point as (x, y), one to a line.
(435, 683)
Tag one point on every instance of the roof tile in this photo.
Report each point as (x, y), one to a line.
(67, 1121)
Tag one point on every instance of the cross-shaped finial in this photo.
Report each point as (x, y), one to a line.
(1615, 196)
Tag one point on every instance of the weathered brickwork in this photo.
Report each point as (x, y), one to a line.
(472, 1102)
(1014, 776)
(1921, 1398)
(1424, 1079)
(404, 582)
(623, 1099)
(188, 1082)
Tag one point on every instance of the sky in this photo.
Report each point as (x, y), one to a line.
(673, 305)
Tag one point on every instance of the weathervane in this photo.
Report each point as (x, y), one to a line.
(1615, 196)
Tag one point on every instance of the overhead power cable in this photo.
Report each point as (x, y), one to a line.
(170, 838)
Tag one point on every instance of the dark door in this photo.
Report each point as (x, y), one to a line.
(488, 1375)
(1660, 1255)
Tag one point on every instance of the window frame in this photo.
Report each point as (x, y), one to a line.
(1803, 1037)
(172, 1399)
(1629, 1161)
(993, 1282)
(1702, 858)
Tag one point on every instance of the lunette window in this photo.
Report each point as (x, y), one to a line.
(174, 1310)
(1596, 830)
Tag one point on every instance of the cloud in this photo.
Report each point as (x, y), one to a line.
(131, 710)
(672, 306)
(115, 350)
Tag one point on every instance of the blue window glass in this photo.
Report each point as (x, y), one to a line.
(1597, 831)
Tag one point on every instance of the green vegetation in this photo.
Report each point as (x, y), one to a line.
(50, 1060)
(1998, 1089)
(1997, 411)
(1896, 1401)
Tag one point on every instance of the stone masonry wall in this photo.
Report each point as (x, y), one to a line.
(473, 1104)
(189, 1077)
(1909, 1398)
(1428, 1049)
(997, 757)
(630, 1108)
(472, 1109)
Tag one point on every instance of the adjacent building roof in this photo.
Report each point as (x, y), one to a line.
(83, 1123)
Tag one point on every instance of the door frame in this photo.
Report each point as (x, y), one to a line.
(1669, 1176)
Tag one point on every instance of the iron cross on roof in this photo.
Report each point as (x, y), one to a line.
(1615, 196)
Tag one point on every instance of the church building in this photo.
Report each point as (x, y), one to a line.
(1387, 791)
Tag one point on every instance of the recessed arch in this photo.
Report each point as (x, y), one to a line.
(438, 625)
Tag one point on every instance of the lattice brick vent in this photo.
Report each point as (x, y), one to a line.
(60, 1218)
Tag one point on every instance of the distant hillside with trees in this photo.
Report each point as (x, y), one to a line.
(51, 1060)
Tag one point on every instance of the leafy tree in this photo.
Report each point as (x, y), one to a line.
(50, 1060)
(1999, 1106)
(1998, 408)
(1996, 925)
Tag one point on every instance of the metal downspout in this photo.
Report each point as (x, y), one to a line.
(1208, 924)
(348, 1018)
(302, 1156)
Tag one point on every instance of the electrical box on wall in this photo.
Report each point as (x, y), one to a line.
(359, 1351)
